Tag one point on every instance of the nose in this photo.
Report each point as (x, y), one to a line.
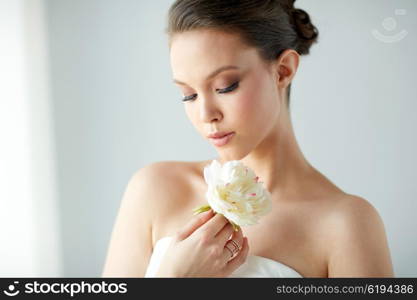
(209, 110)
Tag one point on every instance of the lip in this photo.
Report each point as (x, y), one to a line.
(218, 134)
(221, 139)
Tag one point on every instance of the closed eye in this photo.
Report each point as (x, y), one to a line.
(221, 91)
(229, 88)
(188, 98)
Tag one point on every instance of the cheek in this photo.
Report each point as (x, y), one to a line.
(256, 107)
(246, 107)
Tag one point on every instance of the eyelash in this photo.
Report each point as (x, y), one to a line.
(221, 91)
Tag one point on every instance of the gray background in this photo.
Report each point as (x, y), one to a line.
(115, 110)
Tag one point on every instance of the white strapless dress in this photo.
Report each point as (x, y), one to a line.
(254, 266)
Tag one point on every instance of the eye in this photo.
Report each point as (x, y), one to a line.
(229, 88)
(221, 91)
(188, 98)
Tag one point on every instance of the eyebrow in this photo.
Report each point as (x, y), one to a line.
(212, 74)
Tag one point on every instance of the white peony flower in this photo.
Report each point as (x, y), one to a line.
(235, 192)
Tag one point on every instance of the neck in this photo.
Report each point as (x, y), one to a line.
(278, 160)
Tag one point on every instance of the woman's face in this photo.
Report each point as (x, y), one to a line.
(242, 98)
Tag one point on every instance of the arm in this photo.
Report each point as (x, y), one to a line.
(131, 240)
(359, 246)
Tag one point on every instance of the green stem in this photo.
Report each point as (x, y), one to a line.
(201, 209)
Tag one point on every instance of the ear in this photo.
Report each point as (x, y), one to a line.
(286, 67)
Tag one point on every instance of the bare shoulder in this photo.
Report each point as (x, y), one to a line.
(350, 211)
(173, 186)
(154, 194)
(167, 177)
(349, 206)
(358, 244)
(148, 186)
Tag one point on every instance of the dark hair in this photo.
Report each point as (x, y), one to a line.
(271, 26)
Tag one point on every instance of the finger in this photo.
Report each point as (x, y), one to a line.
(223, 236)
(228, 252)
(214, 225)
(194, 223)
(238, 237)
(230, 249)
(234, 244)
(239, 259)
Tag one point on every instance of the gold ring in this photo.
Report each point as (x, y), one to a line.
(235, 245)
(231, 252)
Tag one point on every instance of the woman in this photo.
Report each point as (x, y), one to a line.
(234, 62)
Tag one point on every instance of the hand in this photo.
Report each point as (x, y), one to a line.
(199, 249)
